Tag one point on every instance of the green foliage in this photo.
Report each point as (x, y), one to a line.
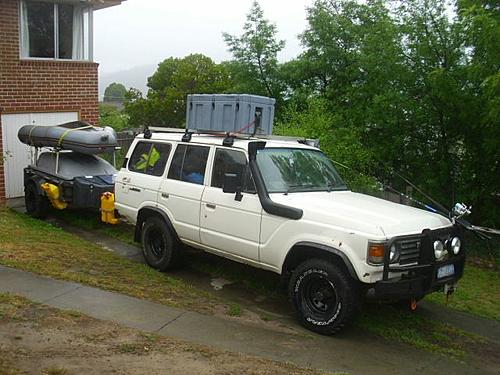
(115, 92)
(255, 65)
(110, 115)
(341, 143)
(175, 78)
(406, 88)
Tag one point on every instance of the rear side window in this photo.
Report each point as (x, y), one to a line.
(149, 158)
(189, 163)
(231, 161)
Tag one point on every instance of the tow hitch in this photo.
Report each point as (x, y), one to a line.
(449, 289)
(413, 304)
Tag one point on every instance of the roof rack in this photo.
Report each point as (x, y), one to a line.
(229, 137)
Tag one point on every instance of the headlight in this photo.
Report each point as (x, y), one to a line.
(456, 245)
(439, 251)
(394, 254)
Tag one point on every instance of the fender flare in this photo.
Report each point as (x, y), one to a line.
(331, 250)
(142, 216)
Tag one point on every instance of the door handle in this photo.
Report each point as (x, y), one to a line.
(211, 206)
(164, 195)
(135, 189)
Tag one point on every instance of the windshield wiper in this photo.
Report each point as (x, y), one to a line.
(295, 187)
(331, 187)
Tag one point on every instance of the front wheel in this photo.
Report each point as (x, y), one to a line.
(324, 296)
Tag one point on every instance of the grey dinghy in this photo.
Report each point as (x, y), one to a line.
(77, 136)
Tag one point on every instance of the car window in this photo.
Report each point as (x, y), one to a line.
(149, 158)
(231, 161)
(189, 164)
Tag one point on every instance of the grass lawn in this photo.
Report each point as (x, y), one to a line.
(396, 323)
(478, 293)
(39, 247)
(36, 246)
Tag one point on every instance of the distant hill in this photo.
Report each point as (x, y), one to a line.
(136, 77)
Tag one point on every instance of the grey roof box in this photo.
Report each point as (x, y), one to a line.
(230, 113)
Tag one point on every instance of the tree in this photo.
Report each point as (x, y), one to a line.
(109, 115)
(115, 92)
(175, 78)
(255, 65)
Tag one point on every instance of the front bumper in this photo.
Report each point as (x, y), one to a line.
(420, 279)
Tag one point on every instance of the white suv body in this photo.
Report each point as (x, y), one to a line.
(184, 187)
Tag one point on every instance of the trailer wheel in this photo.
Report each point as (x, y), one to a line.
(159, 246)
(37, 205)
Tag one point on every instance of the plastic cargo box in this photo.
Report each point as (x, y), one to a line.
(230, 113)
(87, 191)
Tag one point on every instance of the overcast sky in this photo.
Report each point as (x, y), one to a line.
(144, 32)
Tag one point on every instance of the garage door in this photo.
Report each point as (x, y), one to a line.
(16, 154)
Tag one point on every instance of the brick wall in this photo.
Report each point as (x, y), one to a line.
(40, 85)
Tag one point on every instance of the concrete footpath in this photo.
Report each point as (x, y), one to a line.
(356, 355)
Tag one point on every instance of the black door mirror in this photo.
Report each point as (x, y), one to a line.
(232, 185)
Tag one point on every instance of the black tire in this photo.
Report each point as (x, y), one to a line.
(159, 246)
(324, 296)
(37, 205)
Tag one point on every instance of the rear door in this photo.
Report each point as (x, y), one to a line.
(138, 183)
(181, 192)
(227, 224)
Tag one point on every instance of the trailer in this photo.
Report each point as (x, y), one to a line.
(66, 172)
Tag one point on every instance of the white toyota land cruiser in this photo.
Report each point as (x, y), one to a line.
(282, 206)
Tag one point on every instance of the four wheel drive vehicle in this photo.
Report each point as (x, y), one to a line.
(281, 206)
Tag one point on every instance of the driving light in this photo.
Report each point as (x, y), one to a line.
(439, 251)
(456, 245)
(394, 254)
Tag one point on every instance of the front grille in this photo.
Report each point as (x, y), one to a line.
(409, 251)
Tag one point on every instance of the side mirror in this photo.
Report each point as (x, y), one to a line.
(232, 185)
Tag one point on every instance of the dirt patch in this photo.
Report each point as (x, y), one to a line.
(38, 339)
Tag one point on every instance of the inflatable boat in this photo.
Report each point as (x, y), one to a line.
(77, 136)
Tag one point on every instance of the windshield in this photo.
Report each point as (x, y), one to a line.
(286, 170)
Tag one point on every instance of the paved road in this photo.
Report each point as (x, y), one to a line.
(355, 355)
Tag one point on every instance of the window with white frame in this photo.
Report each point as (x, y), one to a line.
(61, 30)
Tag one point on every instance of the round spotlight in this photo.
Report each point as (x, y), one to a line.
(456, 245)
(393, 254)
(439, 251)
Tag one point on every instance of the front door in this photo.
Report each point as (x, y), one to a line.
(228, 224)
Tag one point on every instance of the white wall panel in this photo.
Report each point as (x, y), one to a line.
(18, 155)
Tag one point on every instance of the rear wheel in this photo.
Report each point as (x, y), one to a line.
(324, 296)
(37, 205)
(159, 246)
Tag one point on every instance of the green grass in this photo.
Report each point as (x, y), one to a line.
(234, 310)
(478, 293)
(399, 324)
(37, 246)
(91, 220)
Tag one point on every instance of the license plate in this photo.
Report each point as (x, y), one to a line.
(447, 270)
